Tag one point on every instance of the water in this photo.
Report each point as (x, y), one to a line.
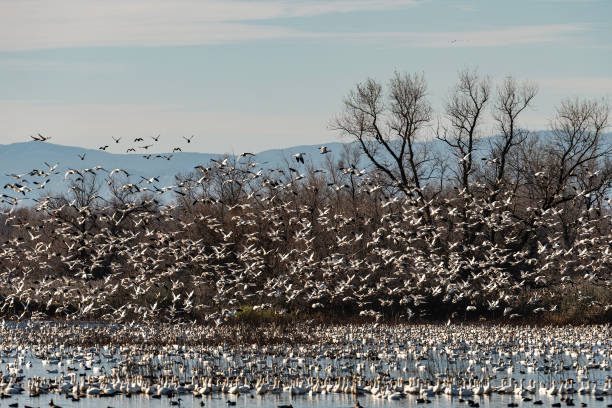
(272, 401)
(184, 367)
(364, 356)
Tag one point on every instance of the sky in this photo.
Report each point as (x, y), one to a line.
(262, 74)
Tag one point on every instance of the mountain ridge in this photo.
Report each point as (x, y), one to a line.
(24, 157)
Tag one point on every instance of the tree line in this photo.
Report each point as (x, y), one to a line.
(511, 225)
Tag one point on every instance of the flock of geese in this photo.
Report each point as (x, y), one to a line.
(465, 363)
(165, 268)
(233, 235)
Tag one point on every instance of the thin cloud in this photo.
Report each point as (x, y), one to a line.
(123, 35)
(38, 24)
(46, 66)
(572, 1)
(187, 10)
(592, 86)
(534, 34)
(518, 35)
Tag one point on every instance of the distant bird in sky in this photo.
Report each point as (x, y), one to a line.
(324, 150)
(188, 139)
(82, 156)
(40, 138)
(103, 147)
(116, 139)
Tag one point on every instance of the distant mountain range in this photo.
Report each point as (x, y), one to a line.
(19, 158)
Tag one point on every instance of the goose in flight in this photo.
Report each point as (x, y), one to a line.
(220, 164)
(72, 171)
(115, 171)
(40, 138)
(149, 180)
(51, 168)
(299, 157)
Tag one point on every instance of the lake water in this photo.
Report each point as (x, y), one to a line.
(272, 401)
(426, 353)
(251, 400)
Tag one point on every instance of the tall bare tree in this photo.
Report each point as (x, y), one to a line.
(464, 113)
(569, 169)
(511, 100)
(576, 147)
(387, 129)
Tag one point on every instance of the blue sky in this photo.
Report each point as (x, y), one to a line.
(254, 75)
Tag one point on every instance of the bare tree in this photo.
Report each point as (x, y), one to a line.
(576, 146)
(569, 169)
(84, 190)
(387, 131)
(118, 193)
(464, 112)
(512, 99)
